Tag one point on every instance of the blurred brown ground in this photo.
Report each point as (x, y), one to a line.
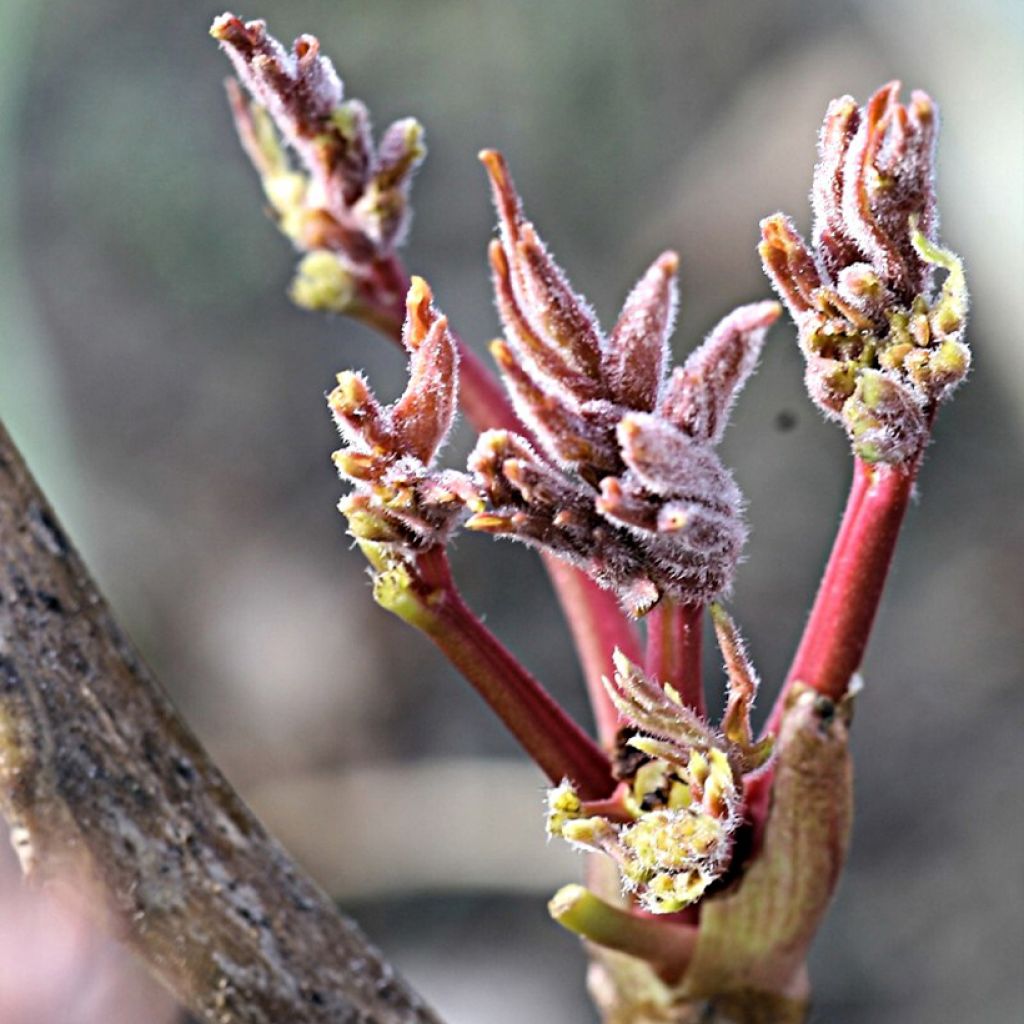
(170, 399)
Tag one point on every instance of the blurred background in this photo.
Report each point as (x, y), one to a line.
(171, 401)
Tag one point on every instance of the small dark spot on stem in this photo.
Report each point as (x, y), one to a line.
(141, 797)
(151, 749)
(825, 709)
(22, 592)
(78, 662)
(47, 531)
(9, 678)
(387, 990)
(51, 602)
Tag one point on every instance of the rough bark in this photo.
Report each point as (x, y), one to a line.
(109, 796)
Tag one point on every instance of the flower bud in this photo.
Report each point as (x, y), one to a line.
(671, 833)
(882, 348)
(643, 503)
(399, 498)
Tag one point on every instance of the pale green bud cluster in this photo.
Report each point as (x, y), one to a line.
(676, 833)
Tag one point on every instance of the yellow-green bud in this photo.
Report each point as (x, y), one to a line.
(322, 282)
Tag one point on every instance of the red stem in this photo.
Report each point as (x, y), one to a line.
(598, 627)
(552, 739)
(597, 623)
(837, 631)
(674, 650)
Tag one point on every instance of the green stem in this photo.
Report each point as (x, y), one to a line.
(668, 948)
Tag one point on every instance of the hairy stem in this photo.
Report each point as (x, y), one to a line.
(837, 631)
(596, 620)
(674, 650)
(431, 602)
(110, 796)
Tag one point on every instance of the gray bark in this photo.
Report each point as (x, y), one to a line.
(108, 794)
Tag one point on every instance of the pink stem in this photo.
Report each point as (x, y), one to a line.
(837, 631)
(598, 627)
(597, 623)
(674, 650)
(552, 739)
